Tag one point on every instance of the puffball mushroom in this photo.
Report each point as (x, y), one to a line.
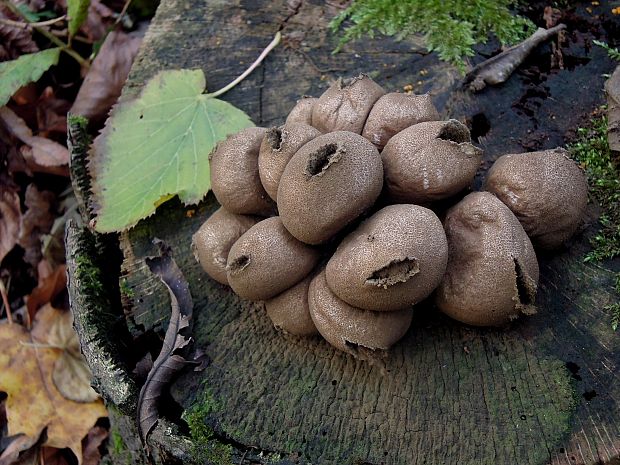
(546, 191)
(492, 272)
(267, 260)
(328, 183)
(394, 112)
(276, 150)
(429, 161)
(348, 328)
(392, 261)
(346, 105)
(289, 311)
(213, 240)
(302, 111)
(234, 174)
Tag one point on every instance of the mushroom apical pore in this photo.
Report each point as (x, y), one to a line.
(394, 112)
(234, 174)
(289, 310)
(328, 183)
(346, 105)
(546, 191)
(267, 260)
(392, 261)
(276, 150)
(429, 161)
(492, 272)
(213, 240)
(349, 328)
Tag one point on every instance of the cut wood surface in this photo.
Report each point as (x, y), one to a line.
(545, 390)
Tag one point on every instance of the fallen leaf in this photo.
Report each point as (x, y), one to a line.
(91, 444)
(105, 79)
(157, 146)
(49, 286)
(51, 113)
(43, 155)
(10, 218)
(33, 402)
(35, 222)
(15, 41)
(71, 374)
(21, 443)
(177, 338)
(25, 69)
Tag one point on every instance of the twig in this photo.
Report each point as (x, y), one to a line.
(51, 37)
(270, 47)
(24, 25)
(5, 302)
(123, 11)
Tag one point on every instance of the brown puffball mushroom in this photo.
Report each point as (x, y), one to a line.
(348, 328)
(289, 311)
(277, 148)
(302, 111)
(492, 272)
(546, 191)
(429, 161)
(213, 240)
(346, 105)
(394, 112)
(328, 183)
(267, 260)
(392, 261)
(234, 174)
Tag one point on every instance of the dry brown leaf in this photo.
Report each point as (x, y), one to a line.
(10, 219)
(612, 88)
(33, 402)
(91, 444)
(51, 283)
(51, 113)
(14, 41)
(71, 374)
(43, 155)
(104, 81)
(36, 221)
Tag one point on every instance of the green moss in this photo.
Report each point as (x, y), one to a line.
(207, 449)
(126, 290)
(450, 27)
(88, 274)
(592, 151)
(117, 445)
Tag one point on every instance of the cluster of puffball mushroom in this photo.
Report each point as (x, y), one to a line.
(332, 219)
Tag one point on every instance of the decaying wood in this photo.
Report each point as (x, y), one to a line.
(452, 394)
(612, 88)
(498, 69)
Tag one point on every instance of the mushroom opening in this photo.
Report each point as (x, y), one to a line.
(322, 159)
(274, 139)
(454, 131)
(397, 271)
(526, 292)
(239, 264)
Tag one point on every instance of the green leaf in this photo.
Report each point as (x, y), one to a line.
(27, 68)
(77, 10)
(158, 146)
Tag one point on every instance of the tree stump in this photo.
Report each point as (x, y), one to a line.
(545, 390)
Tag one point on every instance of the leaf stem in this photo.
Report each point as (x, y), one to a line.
(25, 25)
(261, 57)
(5, 302)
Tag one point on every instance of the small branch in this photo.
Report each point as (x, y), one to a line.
(47, 34)
(123, 12)
(270, 47)
(22, 25)
(5, 302)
